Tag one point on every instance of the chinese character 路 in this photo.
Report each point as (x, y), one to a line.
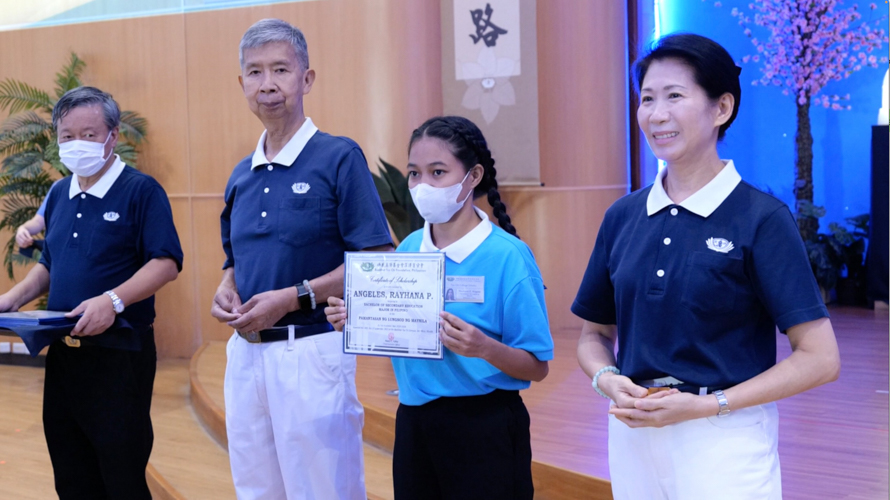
(482, 21)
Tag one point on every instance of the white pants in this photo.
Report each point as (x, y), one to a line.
(293, 420)
(735, 457)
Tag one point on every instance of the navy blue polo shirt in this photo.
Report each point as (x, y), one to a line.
(98, 239)
(291, 219)
(697, 289)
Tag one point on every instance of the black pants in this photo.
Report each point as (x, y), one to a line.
(96, 404)
(465, 448)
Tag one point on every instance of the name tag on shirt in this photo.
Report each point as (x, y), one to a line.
(465, 289)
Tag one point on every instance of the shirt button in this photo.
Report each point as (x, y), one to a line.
(75, 235)
(78, 216)
(83, 196)
(660, 273)
(667, 241)
(674, 211)
(269, 167)
(263, 214)
(266, 190)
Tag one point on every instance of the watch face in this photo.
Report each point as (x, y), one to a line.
(118, 307)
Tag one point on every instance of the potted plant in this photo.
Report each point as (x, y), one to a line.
(851, 286)
(837, 257)
(401, 214)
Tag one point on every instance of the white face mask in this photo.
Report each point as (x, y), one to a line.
(438, 205)
(83, 158)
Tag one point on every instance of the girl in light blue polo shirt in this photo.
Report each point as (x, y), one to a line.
(462, 431)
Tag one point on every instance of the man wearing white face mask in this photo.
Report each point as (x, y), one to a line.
(110, 245)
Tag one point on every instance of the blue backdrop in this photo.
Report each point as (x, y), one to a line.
(761, 140)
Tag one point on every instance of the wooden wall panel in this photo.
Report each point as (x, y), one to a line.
(582, 80)
(175, 305)
(560, 226)
(208, 268)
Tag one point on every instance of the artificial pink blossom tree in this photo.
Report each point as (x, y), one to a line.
(810, 43)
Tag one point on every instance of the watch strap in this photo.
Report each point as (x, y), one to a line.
(723, 403)
(116, 303)
(304, 297)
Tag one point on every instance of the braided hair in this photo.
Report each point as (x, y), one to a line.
(468, 145)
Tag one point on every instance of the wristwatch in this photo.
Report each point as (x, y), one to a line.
(304, 296)
(116, 302)
(724, 404)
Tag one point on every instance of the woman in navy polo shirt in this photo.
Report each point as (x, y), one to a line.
(462, 431)
(692, 275)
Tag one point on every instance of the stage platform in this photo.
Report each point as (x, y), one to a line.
(833, 440)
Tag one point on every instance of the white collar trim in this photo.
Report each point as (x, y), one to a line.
(462, 248)
(101, 187)
(288, 155)
(704, 201)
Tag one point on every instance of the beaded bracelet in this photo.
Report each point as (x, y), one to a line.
(311, 293)
(596, 378)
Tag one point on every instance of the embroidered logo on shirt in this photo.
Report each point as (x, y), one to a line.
(300, 187)
(111, 216)
(719, 245)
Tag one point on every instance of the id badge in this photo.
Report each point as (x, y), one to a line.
(465, 289)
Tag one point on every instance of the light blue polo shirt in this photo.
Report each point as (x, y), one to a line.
(513, 312)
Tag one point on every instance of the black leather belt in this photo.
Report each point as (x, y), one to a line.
(661, 384)
(277, 333)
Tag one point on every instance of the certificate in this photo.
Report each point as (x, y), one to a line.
(393, 301)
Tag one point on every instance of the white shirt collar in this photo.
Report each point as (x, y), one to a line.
(289, 153)
(462, 248)
(101, 187)
(704, 201)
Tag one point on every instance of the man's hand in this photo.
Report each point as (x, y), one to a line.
(263, 310)
(7, 304)
(23, 237)
(336, 313)
(225, 302)
(98, 315)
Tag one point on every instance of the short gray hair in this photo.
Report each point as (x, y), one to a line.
(275, 30)
(87, 96)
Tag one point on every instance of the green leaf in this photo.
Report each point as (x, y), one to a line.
(22, 132)
(392, 187)
(133, 127)
(128, 154)
(18, 96)
(69, 76)
(26, 163)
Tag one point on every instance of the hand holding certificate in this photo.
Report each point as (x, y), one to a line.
(393, 301)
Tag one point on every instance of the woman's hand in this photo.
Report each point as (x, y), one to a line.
(463, 338)
(665, 408)
(336, 313)
(621, 390)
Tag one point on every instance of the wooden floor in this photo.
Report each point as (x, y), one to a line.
(833, 440)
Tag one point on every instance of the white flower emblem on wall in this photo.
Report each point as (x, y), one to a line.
(486, 89)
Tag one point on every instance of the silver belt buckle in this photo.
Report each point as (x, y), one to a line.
(666, 382)
(252, 337)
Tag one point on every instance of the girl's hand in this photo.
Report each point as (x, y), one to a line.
(463, 338)
(336, 313)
